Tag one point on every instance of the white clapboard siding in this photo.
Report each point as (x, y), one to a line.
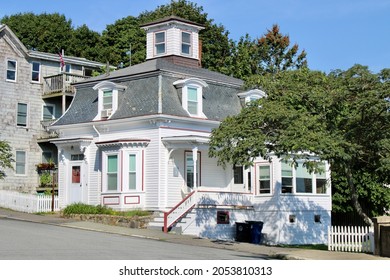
(351, 239)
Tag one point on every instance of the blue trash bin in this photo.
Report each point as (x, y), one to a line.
(255, 229)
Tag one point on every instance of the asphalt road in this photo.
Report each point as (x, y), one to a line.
(20, 240)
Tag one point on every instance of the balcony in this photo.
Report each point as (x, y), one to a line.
(60, 84)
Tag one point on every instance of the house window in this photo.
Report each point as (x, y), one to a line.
(264, 179)
(238, 173)
(68, 68)
(48, 112)
(35, 71)
(186, 43)
(21, 119)
(321, 183)
(20, 161)
(159, 42)
(304, 180)
(11, 70)
(287, 178)
(191, 91)
(192, 101)
(300, 180)
(190, 169)
(112, 172)
(77, 157)
(107, 100)
(132, 172)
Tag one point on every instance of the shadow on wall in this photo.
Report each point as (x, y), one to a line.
(288, 219)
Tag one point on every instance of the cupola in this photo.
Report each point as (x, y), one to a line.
(175, 39)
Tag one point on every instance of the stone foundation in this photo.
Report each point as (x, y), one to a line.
(130, 222)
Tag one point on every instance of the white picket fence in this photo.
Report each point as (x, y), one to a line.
(30, 203)
(351, 239)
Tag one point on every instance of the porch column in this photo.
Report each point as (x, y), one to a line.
(195, 159)
(63, 103)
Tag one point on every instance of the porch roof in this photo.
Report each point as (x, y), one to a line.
(186, 141)
(124, 142)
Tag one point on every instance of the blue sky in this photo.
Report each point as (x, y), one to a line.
(336, 34)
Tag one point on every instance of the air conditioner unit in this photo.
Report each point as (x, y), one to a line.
(106, 113)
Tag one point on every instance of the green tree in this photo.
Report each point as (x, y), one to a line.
(5, 158)
(44, 32)
(342, 118)
(270, 53)
(85, 43)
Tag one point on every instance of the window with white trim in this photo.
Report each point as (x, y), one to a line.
(112, 173)
(11, 70)
(132, 167)
(107, 98)
(35, 71)
(192, 96)
(159, 43)
(238, 175)
(185, 43)
(48, 112)
(264, 179)
(300, 180)
(21, 118)
(122, 170)
(20, 162)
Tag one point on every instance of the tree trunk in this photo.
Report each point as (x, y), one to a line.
(354, 198)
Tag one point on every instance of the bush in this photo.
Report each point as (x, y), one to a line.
(81, 208)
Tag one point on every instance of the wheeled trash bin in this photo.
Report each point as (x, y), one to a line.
(255, 231)
(243, 232)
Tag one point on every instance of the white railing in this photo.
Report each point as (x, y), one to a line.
(180, 210)
(351, 239)
(30, 203)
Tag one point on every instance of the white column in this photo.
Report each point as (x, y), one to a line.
(195, 159)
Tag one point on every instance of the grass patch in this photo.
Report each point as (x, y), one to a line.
(81, 208)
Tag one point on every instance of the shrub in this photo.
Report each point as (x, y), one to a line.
(81, 208)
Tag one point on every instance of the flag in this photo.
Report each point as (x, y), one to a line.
(62, 62)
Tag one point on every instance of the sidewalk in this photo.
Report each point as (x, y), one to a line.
(271, 251)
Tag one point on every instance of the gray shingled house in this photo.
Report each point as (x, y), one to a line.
(138, 138)
(35, 90)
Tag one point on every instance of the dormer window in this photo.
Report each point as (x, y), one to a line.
(251, 95)
(107, 99)
(186, 43)
(191, 95)
(159, 43)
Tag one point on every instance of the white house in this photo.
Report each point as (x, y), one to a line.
(138, 138)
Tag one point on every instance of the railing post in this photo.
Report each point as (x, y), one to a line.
(165, 222)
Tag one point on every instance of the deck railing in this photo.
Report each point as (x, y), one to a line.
(61, 83)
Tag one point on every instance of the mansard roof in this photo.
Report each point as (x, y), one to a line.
(141, 96)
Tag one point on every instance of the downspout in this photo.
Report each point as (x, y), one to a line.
(159, 111)
(97, 132)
